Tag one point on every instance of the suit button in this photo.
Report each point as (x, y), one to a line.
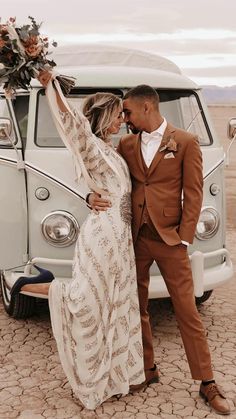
(140, 205)
(146, 183)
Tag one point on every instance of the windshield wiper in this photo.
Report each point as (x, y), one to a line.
(191, 123)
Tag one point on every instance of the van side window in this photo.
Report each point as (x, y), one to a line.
(183, 109)
(46, 134)
(21, 108)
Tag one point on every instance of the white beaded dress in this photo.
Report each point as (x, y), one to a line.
(95, 316)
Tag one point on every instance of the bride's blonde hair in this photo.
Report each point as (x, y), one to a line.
(100, 109)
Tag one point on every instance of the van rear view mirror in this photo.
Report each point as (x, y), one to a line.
(231, 131)
(5, 131)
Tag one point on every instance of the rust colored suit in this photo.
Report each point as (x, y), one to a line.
(160, 222)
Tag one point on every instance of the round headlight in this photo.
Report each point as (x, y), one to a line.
(208, 223)
(60, 228)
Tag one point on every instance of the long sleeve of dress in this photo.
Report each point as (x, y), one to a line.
(75, 131)
(78, 131)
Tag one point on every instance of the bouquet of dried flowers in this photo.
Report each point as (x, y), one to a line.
(23, 54)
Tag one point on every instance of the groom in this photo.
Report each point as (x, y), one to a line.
(164, 161)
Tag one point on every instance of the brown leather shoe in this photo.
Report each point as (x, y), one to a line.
(214, 398)
(152, 376)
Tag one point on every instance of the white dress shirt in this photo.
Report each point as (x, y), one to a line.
(150, 142)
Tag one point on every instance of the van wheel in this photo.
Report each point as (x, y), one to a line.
(204, 297)
(20, 306)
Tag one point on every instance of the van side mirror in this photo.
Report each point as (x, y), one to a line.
(5, 131)
(231, 129)
(231, 132)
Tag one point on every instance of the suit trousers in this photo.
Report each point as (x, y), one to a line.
(174, 265)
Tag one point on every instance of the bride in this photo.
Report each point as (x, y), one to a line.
(95, 316)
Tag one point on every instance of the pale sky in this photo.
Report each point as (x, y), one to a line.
(198, 35)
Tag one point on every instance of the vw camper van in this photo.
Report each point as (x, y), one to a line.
(42, 207)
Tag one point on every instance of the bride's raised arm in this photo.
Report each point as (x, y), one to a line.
(73, 119)
(75, 131)
(45, 77)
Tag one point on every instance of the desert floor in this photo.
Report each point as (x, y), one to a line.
(33, 385)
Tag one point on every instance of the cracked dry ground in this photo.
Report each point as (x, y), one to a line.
(33, 385)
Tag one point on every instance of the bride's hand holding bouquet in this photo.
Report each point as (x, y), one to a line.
(44, 77)
(24, 55)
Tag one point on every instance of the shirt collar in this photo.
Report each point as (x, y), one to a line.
(157, 134)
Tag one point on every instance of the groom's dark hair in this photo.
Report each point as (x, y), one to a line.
(143, 91)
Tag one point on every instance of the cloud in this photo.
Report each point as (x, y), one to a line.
(150, 16)
(229, 71)
(160, 43)
(196, 34)
(133, 16)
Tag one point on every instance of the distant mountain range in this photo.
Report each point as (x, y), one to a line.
(215, 95)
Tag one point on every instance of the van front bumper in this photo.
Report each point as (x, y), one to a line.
(205, 279)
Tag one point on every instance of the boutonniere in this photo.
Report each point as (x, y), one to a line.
(171, 145)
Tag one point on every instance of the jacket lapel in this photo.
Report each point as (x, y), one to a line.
(137, 152)
(169, 131)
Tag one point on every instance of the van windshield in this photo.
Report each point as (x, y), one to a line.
(181, 108)
(46, 134)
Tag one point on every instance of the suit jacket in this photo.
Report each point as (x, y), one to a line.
(173, 175)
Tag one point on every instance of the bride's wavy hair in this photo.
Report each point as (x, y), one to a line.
(101, 109)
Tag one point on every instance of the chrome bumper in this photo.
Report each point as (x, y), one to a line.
(204, 279)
